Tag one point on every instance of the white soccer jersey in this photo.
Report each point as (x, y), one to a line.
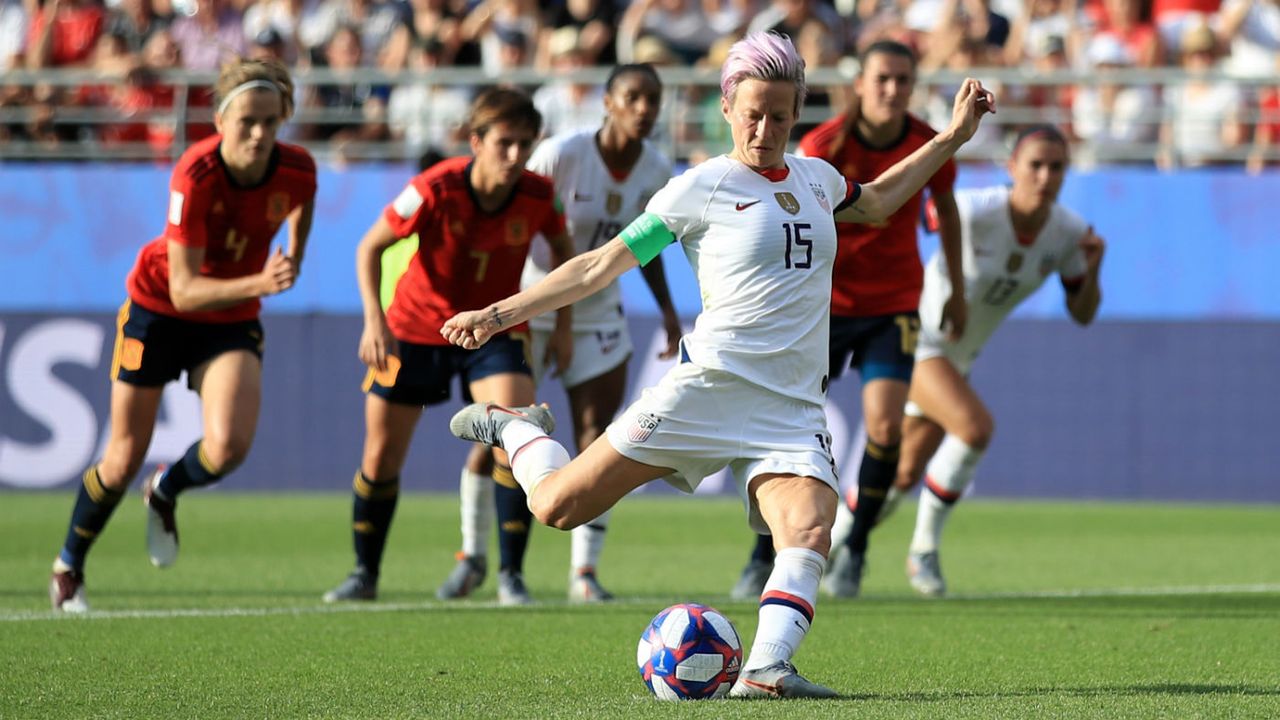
(596, 206)
(762, 252)
(999, 270)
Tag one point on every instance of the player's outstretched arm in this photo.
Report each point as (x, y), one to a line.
(883, 196)
(376, 340)
(581, 276)
(299, 233)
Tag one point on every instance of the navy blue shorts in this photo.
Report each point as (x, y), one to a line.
(879, 346)
(423, 373)
(153, 349)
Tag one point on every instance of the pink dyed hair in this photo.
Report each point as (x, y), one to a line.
(763, 56)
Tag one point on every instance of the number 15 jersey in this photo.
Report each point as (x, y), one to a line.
(762, 248)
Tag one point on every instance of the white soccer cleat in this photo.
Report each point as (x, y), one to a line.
(843, 578)
(483, 422)
(924, 571)
(162, 526)
(511, 589)
(66, 589)
(779, 680)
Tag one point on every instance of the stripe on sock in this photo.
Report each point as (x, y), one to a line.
(940, 492)
(795, 602)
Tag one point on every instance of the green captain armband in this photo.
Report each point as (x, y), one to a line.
(647, 236)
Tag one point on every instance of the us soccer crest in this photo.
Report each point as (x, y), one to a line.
(517, 232)
(821, 195)
(277, 206)
(642, 427)
(613, 203)
(1013, 263)
(787, 202)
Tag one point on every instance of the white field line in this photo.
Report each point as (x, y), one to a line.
(160, 614)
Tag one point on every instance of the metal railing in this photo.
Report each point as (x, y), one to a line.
(79, 128)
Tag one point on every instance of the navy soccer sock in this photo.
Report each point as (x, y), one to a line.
(193, 470)
(373, 504)
(94, 505)
(763, 552)
(875, 476)
(514, 520)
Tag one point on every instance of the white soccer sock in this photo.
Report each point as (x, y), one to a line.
(534, 454)
(946, 477)
(786, 606)
(588, 543)
(476, 491)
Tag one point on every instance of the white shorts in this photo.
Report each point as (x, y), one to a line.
(595, 352)
(933, 344)
(699, 421)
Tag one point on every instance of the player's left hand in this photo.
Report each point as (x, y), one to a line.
(559, 350)
(955, 315)
(469, 329)
(971, 103)
(671, 323)
(1093, 248)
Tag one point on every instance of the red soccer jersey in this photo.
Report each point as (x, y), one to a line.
(467, 259)
(233, 224)
(877, 269)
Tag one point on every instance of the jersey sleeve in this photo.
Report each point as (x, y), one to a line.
(681, 203)
(188, 208)
(412, 209)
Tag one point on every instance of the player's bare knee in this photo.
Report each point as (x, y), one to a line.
(225, 454)
(885, 432)
(978, 431)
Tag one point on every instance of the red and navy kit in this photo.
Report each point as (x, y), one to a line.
(234, 224)
(877, 269)
(467, 259)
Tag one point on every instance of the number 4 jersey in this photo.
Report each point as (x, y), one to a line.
(597, 205)
(762, 248)
(1000, 270)
(234, 224)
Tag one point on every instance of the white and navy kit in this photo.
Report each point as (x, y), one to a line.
(597, 207)
(750, 393)
(1000, 271)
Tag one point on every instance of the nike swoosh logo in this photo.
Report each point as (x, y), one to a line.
(743, 206)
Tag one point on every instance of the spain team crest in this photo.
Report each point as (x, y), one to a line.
(613, 203)
(277, 206)
(517, 232)
(1013, 263)
(787, 202)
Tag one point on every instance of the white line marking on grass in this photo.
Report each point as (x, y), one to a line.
(161, 614)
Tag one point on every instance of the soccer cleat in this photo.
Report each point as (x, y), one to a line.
(750, 585)
(779, 680)
(483, 422)
(925, 573)
(843, 578)
(584, 587)
(66, 589)
(511, 589)
(162, 526)
(465, 577)
(358, 586)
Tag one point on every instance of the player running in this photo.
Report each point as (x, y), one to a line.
(475, 217)
(193, 307)
(757, 226)
(1014, 238)
(605, 177)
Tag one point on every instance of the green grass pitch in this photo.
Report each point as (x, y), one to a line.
(1059, 610)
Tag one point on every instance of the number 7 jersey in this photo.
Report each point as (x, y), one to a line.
(762, 248)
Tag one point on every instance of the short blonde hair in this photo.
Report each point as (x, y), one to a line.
(243, 70)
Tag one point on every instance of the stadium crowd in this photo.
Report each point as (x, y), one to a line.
(1202, 119)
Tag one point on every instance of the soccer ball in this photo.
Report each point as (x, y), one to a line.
(689, 652)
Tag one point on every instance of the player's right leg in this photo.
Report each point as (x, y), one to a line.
(393, 404)
(134, 409)
(945, 397)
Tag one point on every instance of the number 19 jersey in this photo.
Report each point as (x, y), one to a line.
(762, 249)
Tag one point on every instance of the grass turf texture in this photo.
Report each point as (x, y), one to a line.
(1177, 616)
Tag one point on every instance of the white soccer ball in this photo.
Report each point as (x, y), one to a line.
(689, 652)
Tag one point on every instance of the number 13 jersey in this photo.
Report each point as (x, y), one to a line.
(762, 247)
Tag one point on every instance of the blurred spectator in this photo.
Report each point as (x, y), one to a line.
(135, 21)
(1203, 114)
(594, 20)
(424, 115)
(1044, 103)
(975, 18)
(13, 31)
(438, 22)
(816, 42)
(1040, 20)
(789, 16)
(957, 51)
(214, 34)
(1266, 138)
(283, 17)
(684, 26)
(268, 45)
(64, 33)
(1174, 17)
(383, 26)
(144, 94)
(567, 106)
(1112, 116)
(1251, 29)
(354, 110)
(700, 130)
(499, 26)
(1130, 23)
